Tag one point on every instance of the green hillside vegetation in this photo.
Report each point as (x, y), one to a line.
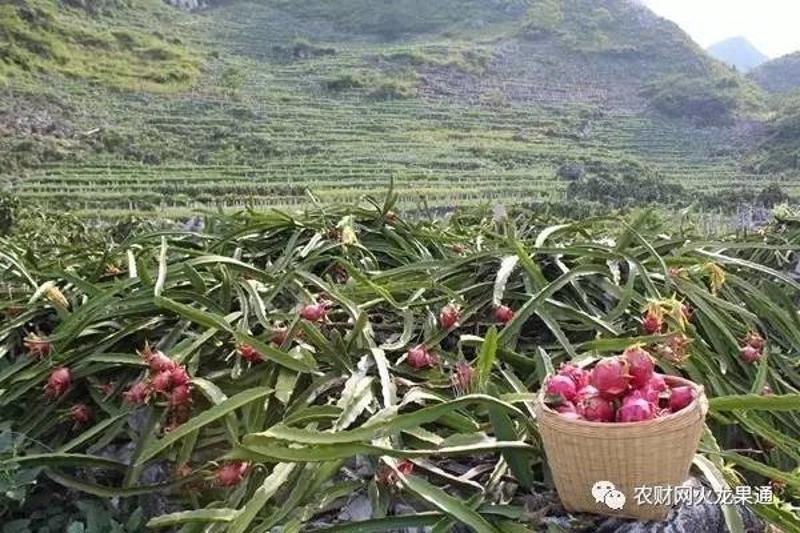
(779, 150)
(781, 75)
(103, 42)
(396, 19)
(460, 102)
(708, 100)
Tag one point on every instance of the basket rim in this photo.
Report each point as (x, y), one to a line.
(699, 400)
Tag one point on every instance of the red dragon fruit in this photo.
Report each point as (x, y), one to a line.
(585, 392)
(419, 357)
(610, 377)
(248, 353)
(232, 473)
(180, 396)
(579, 376)
(654, 387)
(640, 365)
(463, 377)
(314, 312)
(58, 383)
(157, 361)
(562, 386)
(179, 376)
(755, 340)
(596, 409)
(138, 393)
(405, 467)
(162, 382)
(652, 323)
(635, 408)
(449, 316)
(503, 314)
(80, 413)
(680, 397)
(749, 354)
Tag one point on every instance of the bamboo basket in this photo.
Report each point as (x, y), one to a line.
(654, 453)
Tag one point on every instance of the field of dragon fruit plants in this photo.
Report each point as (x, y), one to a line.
(346, 369)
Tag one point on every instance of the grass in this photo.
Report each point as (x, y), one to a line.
(341, 387)
(41, 37)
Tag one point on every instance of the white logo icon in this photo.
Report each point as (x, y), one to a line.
(605, 492)
(615, 499)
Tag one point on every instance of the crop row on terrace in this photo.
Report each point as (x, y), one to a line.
(455, 157)
(286, 419)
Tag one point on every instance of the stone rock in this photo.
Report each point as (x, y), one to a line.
(356, 509)
(571, 172)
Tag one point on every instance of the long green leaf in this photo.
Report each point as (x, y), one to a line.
(754, 402)
(401, 422)
(280, 474)
(447, 504)
(203, 419)
(201, 516)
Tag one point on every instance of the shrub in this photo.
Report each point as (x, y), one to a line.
(8, 206)
(617, 191)
(707, 99)
(378, 85)
(772, 195)
(301, 48)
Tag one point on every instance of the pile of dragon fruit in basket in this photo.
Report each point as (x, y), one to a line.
(617, 389)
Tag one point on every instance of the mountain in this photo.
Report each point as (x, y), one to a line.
(738, 52)
(254, 102)
(781, 75)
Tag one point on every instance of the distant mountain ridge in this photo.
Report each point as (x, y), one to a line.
(738, 52)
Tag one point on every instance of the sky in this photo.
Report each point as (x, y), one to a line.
(771, 25)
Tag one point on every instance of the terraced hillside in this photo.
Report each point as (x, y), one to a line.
(460, 102)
